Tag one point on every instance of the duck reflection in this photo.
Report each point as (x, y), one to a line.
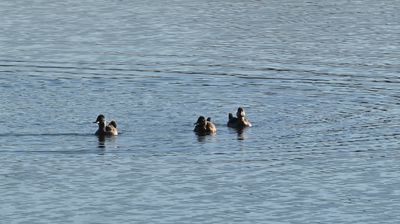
(102, 141)
(201, 138)
(241, 133)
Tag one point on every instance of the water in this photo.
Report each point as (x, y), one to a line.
(318, 79)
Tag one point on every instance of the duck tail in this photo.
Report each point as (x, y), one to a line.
(113, 123)
(230, 116)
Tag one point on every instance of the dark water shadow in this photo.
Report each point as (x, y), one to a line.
(102, 140)
(203, 137)
(241, 133)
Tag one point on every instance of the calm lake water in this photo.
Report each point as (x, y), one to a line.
(318, 79)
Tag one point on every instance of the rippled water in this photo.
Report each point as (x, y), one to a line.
(318, 79)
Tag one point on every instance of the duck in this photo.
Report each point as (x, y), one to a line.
(105, 129)
(240, 121)
(204, 126)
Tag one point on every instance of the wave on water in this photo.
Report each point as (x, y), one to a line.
(43, 134)
(290, 72)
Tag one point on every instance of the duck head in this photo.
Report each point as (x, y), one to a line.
(240, 113)
(101, 121)
(201, 121)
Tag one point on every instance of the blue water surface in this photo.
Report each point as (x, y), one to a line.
(318, 79)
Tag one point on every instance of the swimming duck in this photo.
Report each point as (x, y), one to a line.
(105, 129)
(240, 121)
(204, 127)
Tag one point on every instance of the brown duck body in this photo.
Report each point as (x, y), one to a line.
(204, 127)
(105, 129)
(240, 121)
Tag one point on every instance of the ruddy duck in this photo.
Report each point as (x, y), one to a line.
(105, 129)
(240, 121)
(204, 127)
